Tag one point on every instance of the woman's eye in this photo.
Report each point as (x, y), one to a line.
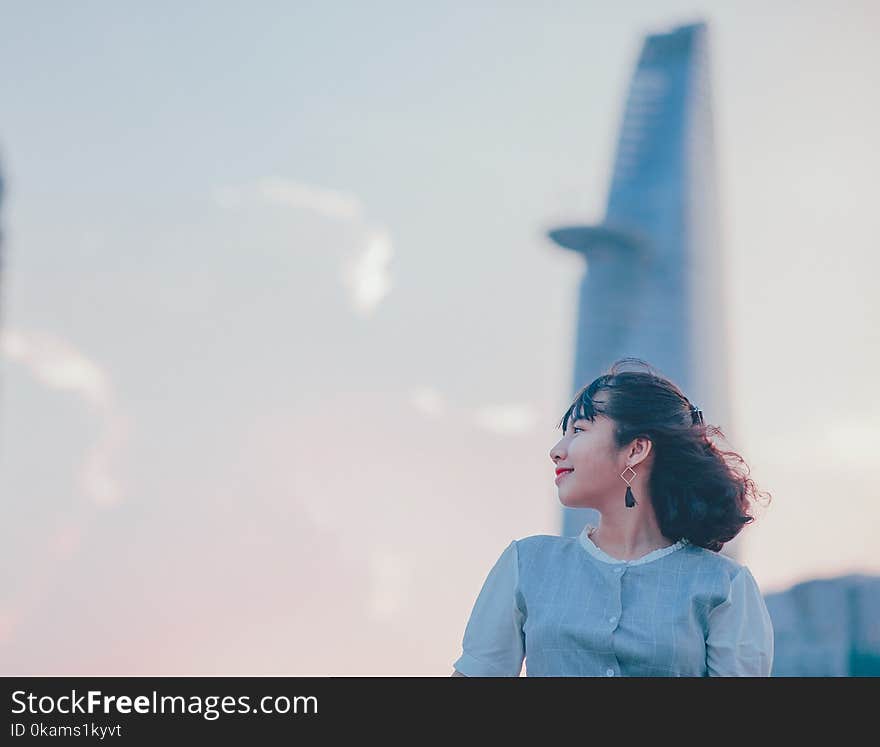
(576, 429)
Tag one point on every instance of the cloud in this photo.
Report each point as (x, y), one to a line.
(364, 275)
(329, 202)
(274, 190)
(428, 400)
(512, 419)
(508, 419)
(59, 365)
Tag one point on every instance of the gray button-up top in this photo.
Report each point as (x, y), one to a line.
(570, 609)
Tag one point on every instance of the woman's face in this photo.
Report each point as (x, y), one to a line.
(588, 449)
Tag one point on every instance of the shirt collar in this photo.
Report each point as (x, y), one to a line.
(600, 554)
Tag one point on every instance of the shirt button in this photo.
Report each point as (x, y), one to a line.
(619, 569)
(609, 672)
(611, 619)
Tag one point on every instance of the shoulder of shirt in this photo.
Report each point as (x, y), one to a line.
(537, 542)
(729, 567)
(535, 539)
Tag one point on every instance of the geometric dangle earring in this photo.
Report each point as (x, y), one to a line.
(630, 499)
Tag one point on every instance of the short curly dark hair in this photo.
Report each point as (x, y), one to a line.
(699, 492)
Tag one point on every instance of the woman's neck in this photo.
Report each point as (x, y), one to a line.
(627, 545)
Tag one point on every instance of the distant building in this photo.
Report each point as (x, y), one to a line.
(827, 627)
(653, 281)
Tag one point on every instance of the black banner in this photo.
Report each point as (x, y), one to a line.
(117, 710)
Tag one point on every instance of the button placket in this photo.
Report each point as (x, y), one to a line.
(618, 570)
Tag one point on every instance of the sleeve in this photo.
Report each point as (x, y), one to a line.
(494, 642)
(739, 642)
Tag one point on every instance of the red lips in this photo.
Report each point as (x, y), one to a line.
(560, 473)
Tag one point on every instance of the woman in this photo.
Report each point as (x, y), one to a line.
(645, 593)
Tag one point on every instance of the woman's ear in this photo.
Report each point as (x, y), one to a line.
(639, 450)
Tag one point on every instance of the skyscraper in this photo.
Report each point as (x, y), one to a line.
(653, 281)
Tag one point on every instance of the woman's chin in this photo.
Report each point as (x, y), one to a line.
(569, 502)
(573, 502)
